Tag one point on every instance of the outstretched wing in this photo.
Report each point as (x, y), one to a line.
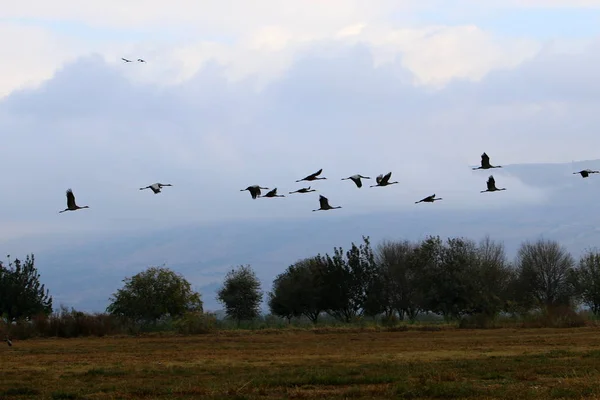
(323, 202)
(386, 178)
(271, 193)
(485, 160)
(315, 174)
(70, 199)
(379, 178)
(491, 183)
(356, 180)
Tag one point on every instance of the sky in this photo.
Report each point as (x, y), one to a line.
(236, 93)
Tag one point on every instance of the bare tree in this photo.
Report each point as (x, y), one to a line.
(587, 280)
(544, 269)
(400, 292)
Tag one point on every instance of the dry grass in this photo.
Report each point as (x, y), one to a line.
(359, 364)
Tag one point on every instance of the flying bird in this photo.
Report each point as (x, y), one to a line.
(485, 163)
(140, 60)
(303, 190)
(126, 60)
(254, 190)
(383, 180)
(491, 185)
(585, 173)
(356, 179)
(312, 177)
(273, 193)
(156, 187)
(324, 203)
(71, 206)
(8, 341)
(428, 199)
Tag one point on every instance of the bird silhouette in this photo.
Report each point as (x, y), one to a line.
(428, 199)
(356, 179)
(324, 204)
(254, 190)
(383, 180)
(126, 60)
(585, 173)
(140, 60)
(273, 193)
(312, 177)
(485, 163)
(71, 206)
(491, 185)
(303, 190)
(156, 187)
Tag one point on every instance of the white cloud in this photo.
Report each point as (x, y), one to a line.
(259, 38)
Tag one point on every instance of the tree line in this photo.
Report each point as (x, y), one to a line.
(457, 279)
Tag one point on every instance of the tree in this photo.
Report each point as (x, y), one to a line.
(398, 276)
(299, 290)
(348, 280)
(587, 280)
(154, 293)
(492, 278)
(241, 294)
(544, 269)
(21, 293)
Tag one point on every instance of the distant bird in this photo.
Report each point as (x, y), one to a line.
(140, 60)
(485, 163)
(324, 202)
(383, 180)
(585, 173)
(126, 60)
(428, 199)
(8, 341)
(312, 177)
(304, 190)
(254, 190)
(156, 187)
(71, 206)
(273, 193)
(491, 185)
(356, 179)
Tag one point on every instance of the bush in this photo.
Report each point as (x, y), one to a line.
(477, 321)
(555, 317)
(195, 322)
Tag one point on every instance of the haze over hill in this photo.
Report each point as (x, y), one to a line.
(83, 276)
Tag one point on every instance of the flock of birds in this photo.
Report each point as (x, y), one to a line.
(381, 181)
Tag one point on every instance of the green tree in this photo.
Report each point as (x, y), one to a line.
(299, 290)
(241, 294)
(544, 271)
(154, 293)
(348, 281)
(21, 293)
(587, 280)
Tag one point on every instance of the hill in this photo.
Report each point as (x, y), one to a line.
(83, 272)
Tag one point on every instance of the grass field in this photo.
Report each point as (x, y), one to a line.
(325, 364)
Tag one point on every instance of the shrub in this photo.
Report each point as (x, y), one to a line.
(195, 322)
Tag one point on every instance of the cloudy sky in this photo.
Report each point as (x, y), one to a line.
(236, 93)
